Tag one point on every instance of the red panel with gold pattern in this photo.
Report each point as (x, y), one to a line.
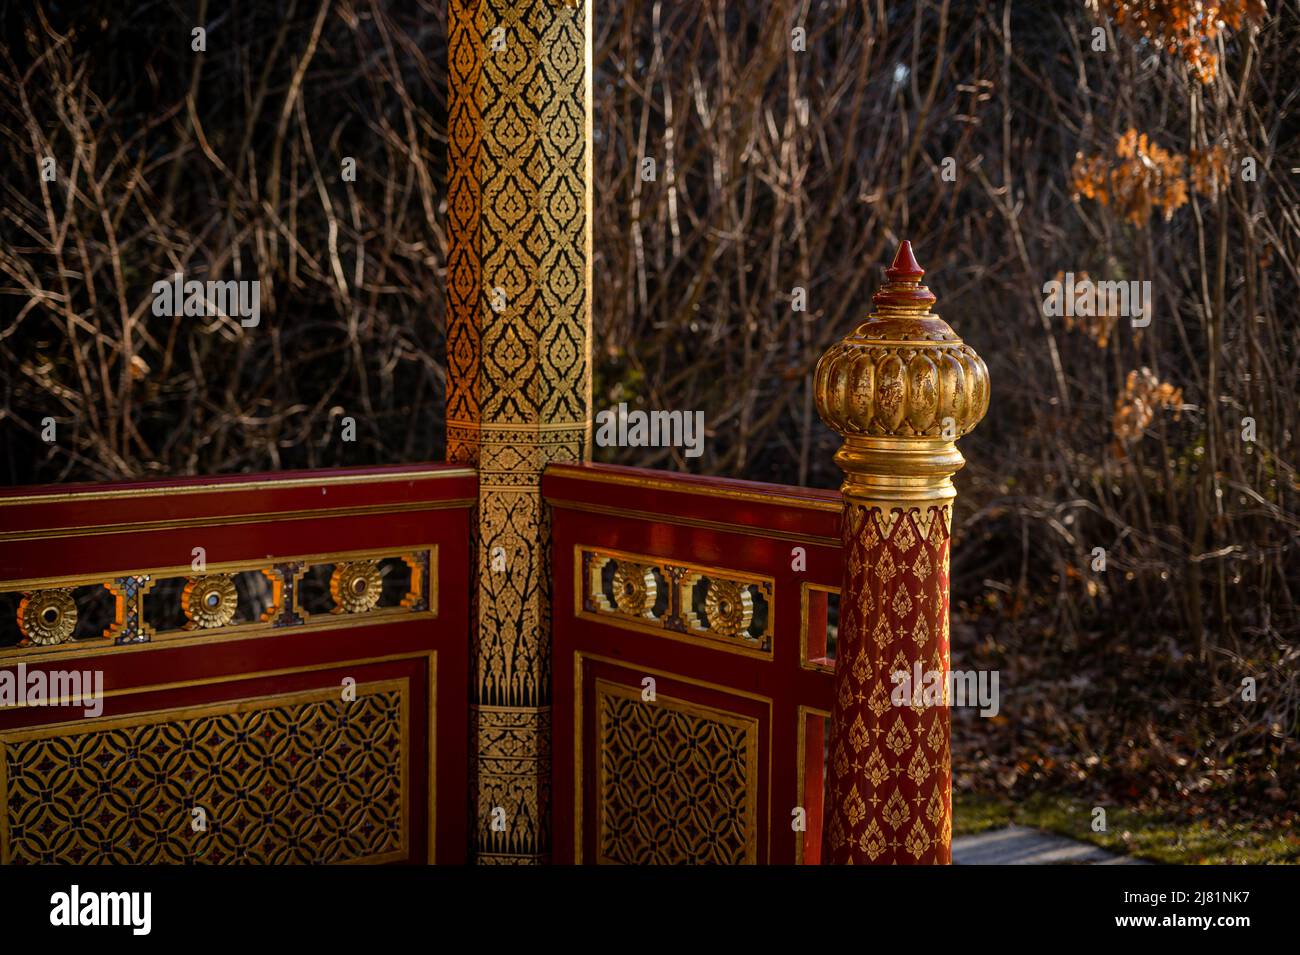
(691, 670)
(268, 668)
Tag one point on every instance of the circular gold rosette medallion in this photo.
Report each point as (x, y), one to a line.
(355, 586)
(47, 617)
(728, 607)
(634, 589)
(210, 601)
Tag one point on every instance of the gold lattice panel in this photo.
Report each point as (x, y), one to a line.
(677, 782)
(298, 778)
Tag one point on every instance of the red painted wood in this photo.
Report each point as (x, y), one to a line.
(244, 521)
(654, 521)
(53, 507)
(772, 507)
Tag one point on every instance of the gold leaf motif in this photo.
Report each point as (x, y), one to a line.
(876, 771)
(900, 665)
(935, 738)
(872, 842)
(934, 809)
(879, 699)
(886, 569)
(939, 518)
(898, 738)
(921, 567)
(882, 634)
(846, 696)
(905, 537)
(918, 840)
(902, 604)
(841, 762)
(858, 737)
(896, 812)
(920, 632)
(861, 666)
(855, 808)
(837, 832)
(919, 767)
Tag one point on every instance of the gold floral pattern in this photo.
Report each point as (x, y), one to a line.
(518, 343)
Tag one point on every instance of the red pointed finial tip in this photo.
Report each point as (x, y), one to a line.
(903, 288)
(905, 267)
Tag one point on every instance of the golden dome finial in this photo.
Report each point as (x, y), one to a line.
(900, 389)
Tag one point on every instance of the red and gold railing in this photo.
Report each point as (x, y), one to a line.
(691, 673)
(279, 666)
(704, 710)
(901, 388)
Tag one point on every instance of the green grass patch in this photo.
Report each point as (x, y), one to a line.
(1158, 837)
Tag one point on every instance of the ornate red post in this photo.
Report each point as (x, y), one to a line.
(900, 389)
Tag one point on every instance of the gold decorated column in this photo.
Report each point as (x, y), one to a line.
(519, 365)
(900, 389)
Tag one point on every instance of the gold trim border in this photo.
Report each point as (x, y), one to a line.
(804, 662)
(699, 639)
(260, 517)
(226, 486)
(801, 770)
(683, 487)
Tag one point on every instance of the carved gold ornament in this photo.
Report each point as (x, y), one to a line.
(47, 617)
(634, 589)
(728, 607)
(210, 601)
(901, 388)
(355, 586)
